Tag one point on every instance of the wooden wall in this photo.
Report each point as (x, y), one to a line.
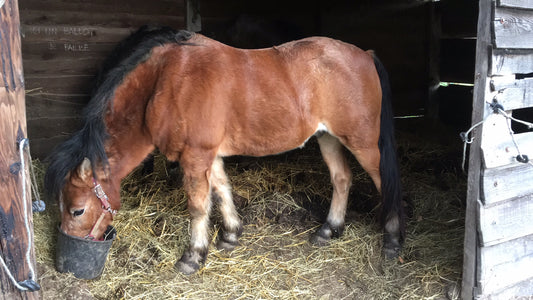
(63, 45)
(499, 232)
(420, 43)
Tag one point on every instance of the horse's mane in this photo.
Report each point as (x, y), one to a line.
(89, 141)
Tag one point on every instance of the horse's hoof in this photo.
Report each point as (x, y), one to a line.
(319, 240)
(187, 268)
(323, 235)
(191, 261)
(226, 245)
(391, 251)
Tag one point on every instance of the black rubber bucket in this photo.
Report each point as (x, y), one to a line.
(82, 257)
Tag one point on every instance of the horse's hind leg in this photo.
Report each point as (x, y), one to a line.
(232, 225)
(341, 178)
(197, 171)
(391, 212)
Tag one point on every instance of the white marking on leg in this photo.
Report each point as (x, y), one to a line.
(220, 182)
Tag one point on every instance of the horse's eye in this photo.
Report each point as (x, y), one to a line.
(78, 212)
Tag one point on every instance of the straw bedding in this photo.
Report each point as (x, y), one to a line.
(282, 199)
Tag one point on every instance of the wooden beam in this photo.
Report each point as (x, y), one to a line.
(193, 20)
(14, 240)
(474, 163)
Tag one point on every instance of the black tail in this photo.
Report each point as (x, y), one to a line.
(391, 190)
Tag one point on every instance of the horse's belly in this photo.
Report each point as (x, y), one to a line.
(269, 142)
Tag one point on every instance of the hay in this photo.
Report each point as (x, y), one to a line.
(281, 200)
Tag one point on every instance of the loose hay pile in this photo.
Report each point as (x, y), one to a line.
(281, 200)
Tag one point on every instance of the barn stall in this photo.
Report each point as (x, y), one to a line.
(428, 48)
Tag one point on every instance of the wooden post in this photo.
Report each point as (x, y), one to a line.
(471, 254)
(193, 21)
(14, 240)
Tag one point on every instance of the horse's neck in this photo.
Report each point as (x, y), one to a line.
(129, 143)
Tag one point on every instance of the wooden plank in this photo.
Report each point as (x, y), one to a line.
(519, 291)
(470, 256)
(513, 28)
(511, 61)
(508, 182)
(67, 66)
(516, 3)
(76, 85)
(88, 18)
(507, 252)
(499, 259)
(53, 106)
(15, 238)
(513, 94)
(52, 127)
(506, 221)
(134, 7)
(516, 267)
(497, 145)
(71, 33)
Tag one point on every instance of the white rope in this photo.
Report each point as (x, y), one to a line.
(468, 141)
(22, 144)
(2, 3)
(497, 109)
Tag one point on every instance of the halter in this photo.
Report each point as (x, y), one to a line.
(106, 208)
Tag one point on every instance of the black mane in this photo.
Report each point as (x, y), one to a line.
(90, 140)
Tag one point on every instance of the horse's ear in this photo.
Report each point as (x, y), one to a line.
(85, 171)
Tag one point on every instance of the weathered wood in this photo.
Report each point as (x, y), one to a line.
(505, 183)
(511, 61)
(497, 145)
(14, 241)
(505, 221)
(134, 7)
(513, 28)
(53, 106)
(71, 33)
(513, 94)
(83, 18)
(474, 163)
(75, 85)
(193, 20)
(510, 263)
(516, 3)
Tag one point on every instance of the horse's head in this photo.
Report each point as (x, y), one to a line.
(84, 202)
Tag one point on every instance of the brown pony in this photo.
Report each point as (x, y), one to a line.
(198, 100)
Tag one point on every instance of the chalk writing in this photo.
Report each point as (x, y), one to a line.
(38, 30)
(76, 47)
(57, 30)
(79, 31)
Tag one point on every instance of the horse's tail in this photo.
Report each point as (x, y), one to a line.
(391, 190)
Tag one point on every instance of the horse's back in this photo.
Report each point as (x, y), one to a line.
(266, 101)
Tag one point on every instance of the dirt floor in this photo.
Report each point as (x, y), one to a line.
(282, 199)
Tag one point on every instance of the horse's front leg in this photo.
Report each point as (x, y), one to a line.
(232, 224)
(196, 182)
